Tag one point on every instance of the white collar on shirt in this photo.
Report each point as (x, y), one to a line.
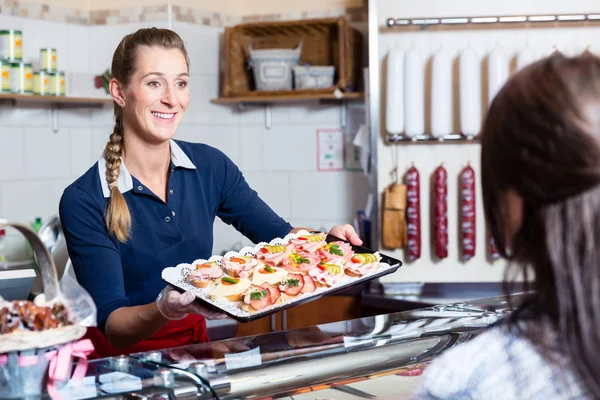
(125, 182)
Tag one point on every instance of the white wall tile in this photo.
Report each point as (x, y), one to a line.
(105, 40)
(80, 140)
(24, 115)
(38, 34)
(193, 133)
(79, 47)
(55, 191)
(289, 148)
(204, 88)
(22, 201)
(273, 188)
(314, 113)
(47, 154)
(250, 147)
(254, 114)
(227, 238)
(327, 195)
(99, 139)
(76, 117)
(11, 22)
(202, 45)
(226, 139)
(104, 118)
(12, 141)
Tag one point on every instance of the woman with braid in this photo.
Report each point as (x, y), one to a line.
(151, 202)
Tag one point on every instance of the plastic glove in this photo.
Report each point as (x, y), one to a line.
(175, 305)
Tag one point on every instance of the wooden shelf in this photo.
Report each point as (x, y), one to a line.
(59, 101)
(269, 99)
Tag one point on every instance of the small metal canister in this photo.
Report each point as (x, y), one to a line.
(22, 78)
(57, 84)
(11, 45)
(5, 73)
(48, 60)
(41, 83)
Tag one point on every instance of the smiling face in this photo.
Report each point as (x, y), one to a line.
(157, 95)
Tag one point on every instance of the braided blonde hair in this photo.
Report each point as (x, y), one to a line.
(118, 217)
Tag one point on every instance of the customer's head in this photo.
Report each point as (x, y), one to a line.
(541, 193)
(150, 90)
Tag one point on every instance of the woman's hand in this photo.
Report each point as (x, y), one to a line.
(346, 232)
(174, 305)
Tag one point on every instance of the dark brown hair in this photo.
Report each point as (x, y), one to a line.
(541, 139)
(118, 218)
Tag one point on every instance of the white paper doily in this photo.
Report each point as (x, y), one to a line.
(176, 276)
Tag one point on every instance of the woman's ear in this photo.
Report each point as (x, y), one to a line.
(117, 91)
(514, 215)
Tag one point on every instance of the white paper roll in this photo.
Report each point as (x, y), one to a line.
(470, 92)
(441, 94)
(497, 72)
(414, 94)
(394, 116)
(525, 57)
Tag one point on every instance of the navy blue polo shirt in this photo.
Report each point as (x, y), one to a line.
(203, 184)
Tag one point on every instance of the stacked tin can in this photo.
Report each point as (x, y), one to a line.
(48, 81)
(17, 75)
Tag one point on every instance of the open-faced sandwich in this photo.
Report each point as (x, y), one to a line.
(273, 255)
(229, 288)
(205, 275)
(266, 273)
(309, 243)
(240, 266)
(362, 263)
(335, 251)
(256, 298)
(300, 261)
(327, 273)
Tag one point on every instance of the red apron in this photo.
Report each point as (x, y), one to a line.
(189, 330)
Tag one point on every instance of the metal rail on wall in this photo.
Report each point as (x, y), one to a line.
(488, 20)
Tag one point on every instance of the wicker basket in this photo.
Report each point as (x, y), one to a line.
(328, 41)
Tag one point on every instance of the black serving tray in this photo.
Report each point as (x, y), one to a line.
(394, 265)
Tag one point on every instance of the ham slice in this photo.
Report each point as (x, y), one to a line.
(274, 292)
(239, 266)
(291, 288)
(309, 284)
(335, 251)
(257, 304)
(273, 255)
(327, 274)
(309, 243)
(300, 261)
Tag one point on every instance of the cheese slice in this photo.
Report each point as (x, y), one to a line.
(222, 289)
(261, 276)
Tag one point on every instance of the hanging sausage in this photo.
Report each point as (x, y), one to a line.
(497, 72)
(468, 223)
(414, 94)
(413, 213)
(395, 92)
(470, 93)
(440, 201)
(441, 94)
